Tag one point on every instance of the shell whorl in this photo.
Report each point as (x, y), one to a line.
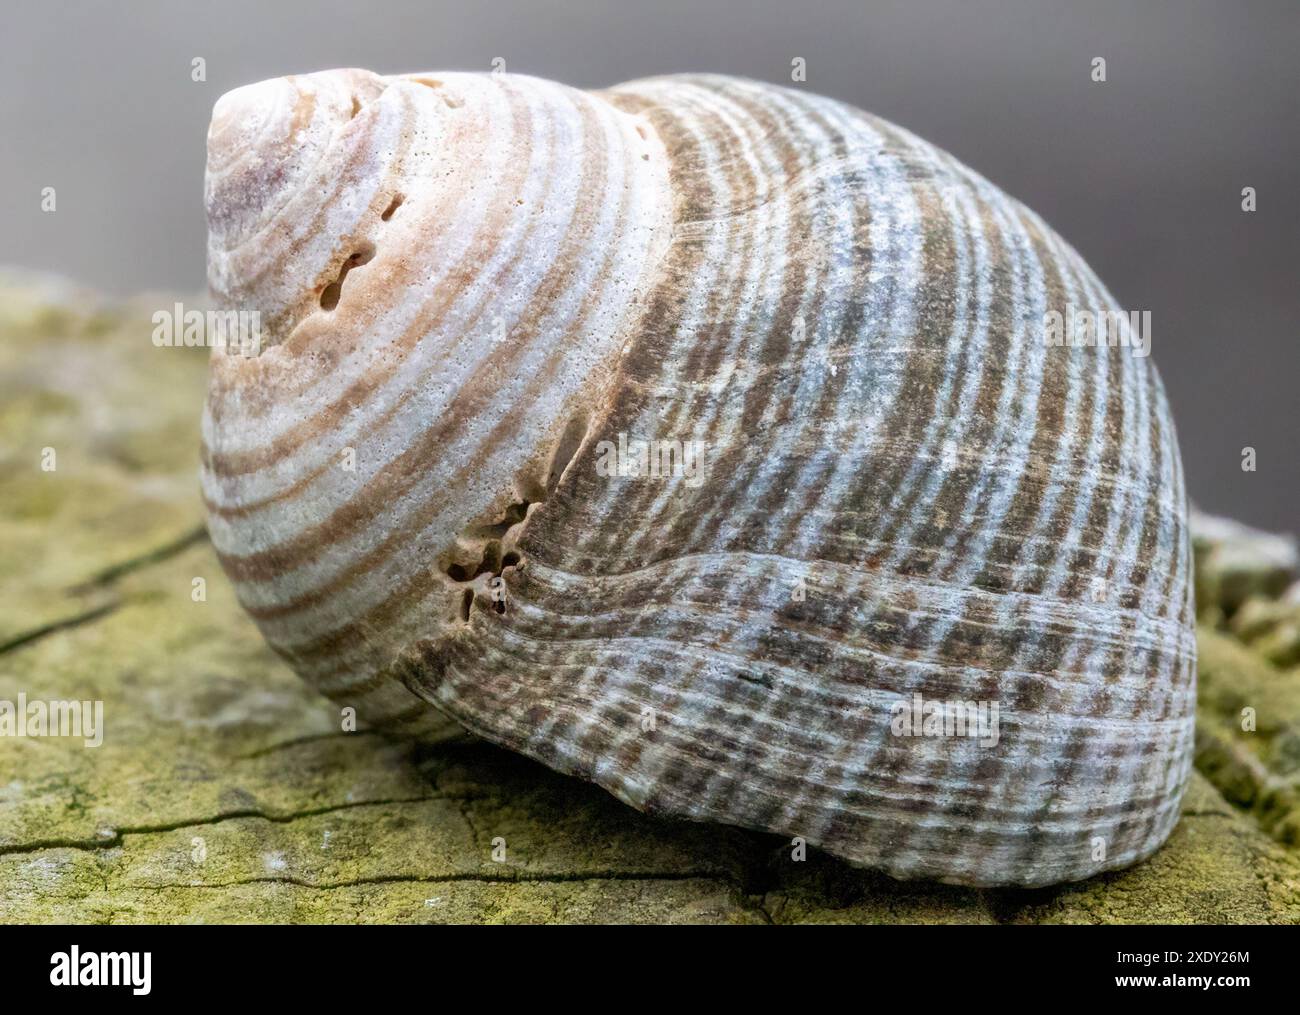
(847, 321)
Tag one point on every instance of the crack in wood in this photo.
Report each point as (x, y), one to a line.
(63, 624)
(157, 555)
(115, 840)
(521, 877)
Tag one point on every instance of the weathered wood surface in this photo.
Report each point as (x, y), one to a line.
(224, 790)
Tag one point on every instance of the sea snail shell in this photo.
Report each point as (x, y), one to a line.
(476, 290)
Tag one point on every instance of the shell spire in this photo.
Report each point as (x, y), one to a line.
(700, 438)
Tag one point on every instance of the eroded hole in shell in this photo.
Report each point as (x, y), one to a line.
(332, 293)
(452, 100)
(575, 431)
(393, 205)
(498, 537)
(514, 514)
(493, 559)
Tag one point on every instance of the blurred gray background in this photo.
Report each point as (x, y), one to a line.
(1143, 174)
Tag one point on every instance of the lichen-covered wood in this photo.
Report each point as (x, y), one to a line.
(225, 790)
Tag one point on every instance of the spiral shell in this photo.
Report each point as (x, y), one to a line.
(479, 291)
